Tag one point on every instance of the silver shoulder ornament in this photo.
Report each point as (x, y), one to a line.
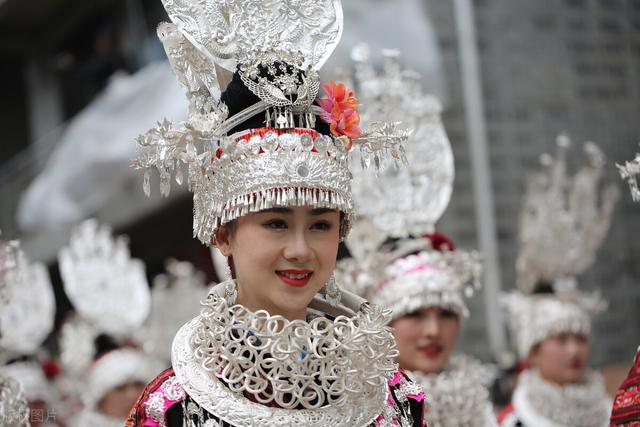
(316, 373)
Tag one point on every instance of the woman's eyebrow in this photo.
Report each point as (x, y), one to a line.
(320, 211)
(277, 210)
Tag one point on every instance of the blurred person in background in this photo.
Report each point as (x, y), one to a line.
(425, 289)
(562, 226)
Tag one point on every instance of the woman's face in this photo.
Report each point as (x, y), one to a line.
(562, 358)
(426, 338)
(282, 257)
(117, 402)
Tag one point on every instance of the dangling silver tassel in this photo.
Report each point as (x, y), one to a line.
(311, 118)
(332, 292)
(230, 291)
(281, 120)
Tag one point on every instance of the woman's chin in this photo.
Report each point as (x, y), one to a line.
(291, 304)
(429, 365)
(574, 376)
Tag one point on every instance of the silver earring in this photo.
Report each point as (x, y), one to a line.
(332, 292)
(227, 270)
(230, 292)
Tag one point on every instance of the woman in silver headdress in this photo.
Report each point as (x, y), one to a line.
(424, 285)
(556, 388)
(103, 372)
(23, 380)
(563, 224)
(426, 293)
(277, 343)
(626, 405)
(423, 280)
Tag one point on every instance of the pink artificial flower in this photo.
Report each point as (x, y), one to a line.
(340, 111)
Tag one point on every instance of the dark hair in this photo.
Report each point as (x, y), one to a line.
(237, 97)
(543, 288)
(104, 344)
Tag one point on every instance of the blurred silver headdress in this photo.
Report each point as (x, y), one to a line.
(277, 49)
(564, 220)
(631, 172)
(110, 293)
(22, 281)
(14, 411)
(406, 201)
(34, 383)
(563, 223)
(417, 272)
(175, 296)
(105, 285)
(7, 262)
(532, 318)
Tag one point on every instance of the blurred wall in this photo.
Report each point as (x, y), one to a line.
(550, 66)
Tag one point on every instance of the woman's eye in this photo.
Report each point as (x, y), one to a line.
(321, 226)
(448, 314)
(276, 224)
(414, 315)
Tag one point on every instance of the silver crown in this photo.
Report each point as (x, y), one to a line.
(631, 171)
(105, 285)
(278, 50)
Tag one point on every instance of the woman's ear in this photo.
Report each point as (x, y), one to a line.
(221, 240)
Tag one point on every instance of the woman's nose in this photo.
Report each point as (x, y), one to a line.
(573, 346)
(297, 247)
(430, 327)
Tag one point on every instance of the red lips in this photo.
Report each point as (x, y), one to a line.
(295, 278)
(576, 364)
(431, 350)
